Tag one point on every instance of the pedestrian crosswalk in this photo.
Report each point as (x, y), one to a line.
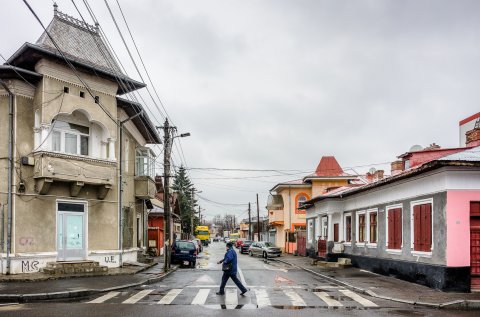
(292, 297)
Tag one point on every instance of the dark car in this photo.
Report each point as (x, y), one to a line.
(184, 252)
(264, 249)
(245, 246)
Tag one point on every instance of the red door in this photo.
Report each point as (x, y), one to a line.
(475, 246)
(301, 243)
(322, 248)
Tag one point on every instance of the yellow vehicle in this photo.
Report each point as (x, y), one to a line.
(202, 233)
(234, 237)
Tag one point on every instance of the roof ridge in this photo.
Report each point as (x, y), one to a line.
(76, 22)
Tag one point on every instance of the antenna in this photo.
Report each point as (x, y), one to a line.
(415, 148)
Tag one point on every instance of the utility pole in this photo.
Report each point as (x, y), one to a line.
(249, 223)
(258, 220)
(199, 216)
(168, 137)
(166, 190)
(192, 213)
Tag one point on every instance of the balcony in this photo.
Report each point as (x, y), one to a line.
(145, 187)
(52, 167)
(275, 217)
(275, 202)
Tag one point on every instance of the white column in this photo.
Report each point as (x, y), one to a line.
(45, 138)
(330, 227)
(111, 149)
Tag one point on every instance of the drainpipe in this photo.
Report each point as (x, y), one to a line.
(2, 229)
(120, 189)
(10, 174)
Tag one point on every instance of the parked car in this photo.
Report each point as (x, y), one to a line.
(199, 244)
(264, 249)
(184, 252)
(216, 239)
(239, 242)
(245, 246)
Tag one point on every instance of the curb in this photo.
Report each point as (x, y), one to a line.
(23, 298)
(462, 304)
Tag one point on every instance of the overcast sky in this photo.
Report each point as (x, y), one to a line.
(277, 84)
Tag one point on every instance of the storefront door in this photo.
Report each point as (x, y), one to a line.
(71, 231)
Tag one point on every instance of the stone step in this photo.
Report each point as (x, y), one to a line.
(80, 267)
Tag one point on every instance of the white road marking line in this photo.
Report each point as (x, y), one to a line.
(270, 268)
(231, 298)
(262, 298)
(359, 299)
(135, 298)
(170, 296)
(201, 296)
(242, 278)
(294, 297)
(328, 299)
(104, 298)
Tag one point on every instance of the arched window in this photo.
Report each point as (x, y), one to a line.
(301, 199)
(76, 134)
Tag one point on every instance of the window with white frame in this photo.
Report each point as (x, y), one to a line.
(301, 200)
(144, 162)
(70, 137)
(372, 230)
(317, 227)
(310, 230)
(347, 228)
(421, 225)
(361, 226)
(324, 228)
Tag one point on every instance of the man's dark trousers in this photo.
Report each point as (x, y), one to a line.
(226, 276)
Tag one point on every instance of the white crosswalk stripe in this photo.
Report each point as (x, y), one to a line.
(328, 299)
(264, 297)
(231, 298)
(359, 299)
(135, 298)
(294, 298)
(103, 298)
(167, 299)
(201, 296)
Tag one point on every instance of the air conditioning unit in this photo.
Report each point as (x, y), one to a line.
(338, 248)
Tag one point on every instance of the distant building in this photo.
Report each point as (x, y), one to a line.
(286, 218)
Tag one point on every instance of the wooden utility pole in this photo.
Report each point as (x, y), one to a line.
(258, 220)
(249, 223)
(167, 139)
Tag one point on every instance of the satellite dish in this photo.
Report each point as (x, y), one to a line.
(372, 170)
(415, 148)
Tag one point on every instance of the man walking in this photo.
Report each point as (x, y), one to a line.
(229, 269)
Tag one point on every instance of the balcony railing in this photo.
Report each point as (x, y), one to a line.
(145, 187)
(52, 167)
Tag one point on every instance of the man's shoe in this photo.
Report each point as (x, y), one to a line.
(243, 293)
(220, 293)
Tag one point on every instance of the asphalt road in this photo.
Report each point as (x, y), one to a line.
(275, 290)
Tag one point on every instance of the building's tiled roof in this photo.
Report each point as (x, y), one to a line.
(79, 41)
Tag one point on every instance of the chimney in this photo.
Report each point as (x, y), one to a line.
(158, 184)
(473, 136)
(379, 174)
(397, 167)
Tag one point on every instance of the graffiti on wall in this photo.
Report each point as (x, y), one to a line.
(110, 259)
(30, 266)
(26, 241)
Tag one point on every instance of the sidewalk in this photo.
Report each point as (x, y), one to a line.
(385, 287)
(39, 286)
